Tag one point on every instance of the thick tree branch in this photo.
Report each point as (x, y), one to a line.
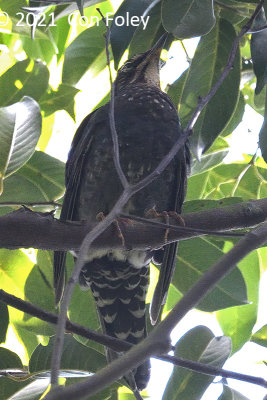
(24, 228)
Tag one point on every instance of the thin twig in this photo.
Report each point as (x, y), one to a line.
(33, 204)
(179, 228)
(212, 370)
(111, 113)
(118, 345)
(34, 311)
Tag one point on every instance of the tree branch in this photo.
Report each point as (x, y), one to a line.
(25, 228)
(121, 345)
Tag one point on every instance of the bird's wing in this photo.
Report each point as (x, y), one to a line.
(169, 256)
(79, 150)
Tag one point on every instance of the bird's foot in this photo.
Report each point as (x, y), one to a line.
(101, 216)
(152, 213)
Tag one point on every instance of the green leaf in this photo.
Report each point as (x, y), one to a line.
(203, 204)
(231, 394)
(25, 78)
(75, 356)
(40, 280)
(188, 18)
(213, 157)
(236, 117)
(82, 52)
(19, 133)
(41, 179)
(82, 309)
(199, 344)
(259, 57)
(260, 337)
(142, 39)
(197, 255)
(4, 318)
(61, 99)
(32, 391)
(210, 58)
(234, 180)
(8, 360)
(121, 34)
(238, 322)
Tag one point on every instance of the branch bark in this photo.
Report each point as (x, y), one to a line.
(25, 228)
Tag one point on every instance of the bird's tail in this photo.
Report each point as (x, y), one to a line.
(120, 291)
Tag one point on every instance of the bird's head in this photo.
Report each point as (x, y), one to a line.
(142, 68)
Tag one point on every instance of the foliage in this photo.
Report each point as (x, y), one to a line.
(28, 174)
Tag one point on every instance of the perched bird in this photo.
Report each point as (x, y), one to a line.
(147, 126)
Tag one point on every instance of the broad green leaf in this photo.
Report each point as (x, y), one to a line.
(25, 78)
(40, 280)
(121, 31)
(47, 130)
(144, 39)
(260, 337)
(60, 99)
(231, 394)
(32, 391)
(209, 60)
(234, 180)
(19, 133)
(39, 49)
(4, 318)
(259, 57)
(75, 356)
(213, 157)
(41, 179)
(204, 204)
(9, 360)
(238, 322)
(82, 309)
(199, 344)
(188, 18)
(82, 52)
(195, 256)
(15, 267)
(236, 117)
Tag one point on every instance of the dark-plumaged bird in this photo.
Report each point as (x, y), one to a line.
(147, 126)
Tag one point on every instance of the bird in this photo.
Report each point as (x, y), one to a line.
(147, 126)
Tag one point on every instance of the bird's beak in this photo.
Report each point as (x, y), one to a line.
(158, 46)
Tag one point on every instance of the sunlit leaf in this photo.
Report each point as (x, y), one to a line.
(199, 344)
(260, 337)
(19, 133)
(238, 322)
(41, 179)
(25, 78)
